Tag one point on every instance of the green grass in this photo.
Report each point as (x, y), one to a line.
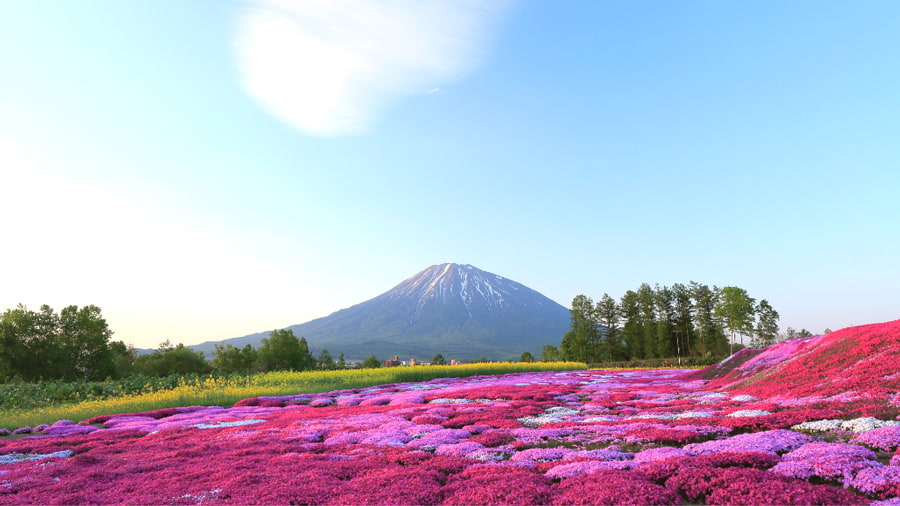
(227, 390)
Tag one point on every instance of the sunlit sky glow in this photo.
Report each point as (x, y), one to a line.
(208, 169)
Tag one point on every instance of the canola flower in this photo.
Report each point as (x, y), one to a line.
(225, 391)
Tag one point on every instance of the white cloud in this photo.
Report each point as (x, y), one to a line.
(327, 67)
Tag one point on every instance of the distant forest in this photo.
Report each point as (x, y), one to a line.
(690, 320)
(75, 345)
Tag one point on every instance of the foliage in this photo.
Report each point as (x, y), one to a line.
(527, 357)
(168, 360)
(72, 344)
(229, 359)
(283, 351)
(438, 360)
(680, 321)
(370, 362)
(736, 310)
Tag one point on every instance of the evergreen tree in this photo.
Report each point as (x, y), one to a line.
(665, 321)
(527, 357)
(682, 327)
(585, 345)
(710, 340)
(647, 307)
(438, 360)
(632, 328)
(341, 362)
(607, 312)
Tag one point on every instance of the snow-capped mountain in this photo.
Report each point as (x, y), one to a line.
(457, 310)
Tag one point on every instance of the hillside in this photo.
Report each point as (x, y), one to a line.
(853, 364)
(457, 310)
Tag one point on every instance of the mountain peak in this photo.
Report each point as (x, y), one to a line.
(458, 310)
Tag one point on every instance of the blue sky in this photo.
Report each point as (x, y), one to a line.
(208, 169)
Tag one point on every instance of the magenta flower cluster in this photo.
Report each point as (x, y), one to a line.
(568, 438)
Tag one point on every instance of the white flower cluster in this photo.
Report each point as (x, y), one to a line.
(744, 398)
(220, 425)
(13, 458)
(749, 412)
(692, 414)
(864, 424)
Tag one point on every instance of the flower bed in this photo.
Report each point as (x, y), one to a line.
(575, 437)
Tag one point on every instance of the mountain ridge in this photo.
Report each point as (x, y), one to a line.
(454, 309)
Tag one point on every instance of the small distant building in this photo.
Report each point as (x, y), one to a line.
(392, 362)
(412, 362)
(453, 361)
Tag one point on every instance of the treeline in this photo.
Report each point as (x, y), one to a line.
(75, 345)
(690, 320)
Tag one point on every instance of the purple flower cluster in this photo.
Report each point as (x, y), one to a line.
(583, 437)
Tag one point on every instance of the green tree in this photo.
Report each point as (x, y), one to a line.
(582, 342)
(230, 359)
(438, 360)
(370, 363)
(646, 300)
(633, 327)
(526, 357)
(608, 316)
(341, 361)
(84, 341)
(711, 339)
(736, 310)
(325, 362)
(45, 345)
(283, 351)
(682, 327)
(766, 331)
(168, 360)
(663, 299)
(123, 359)
(550, 353)
(804, 333)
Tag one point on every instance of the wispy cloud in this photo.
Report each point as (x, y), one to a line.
(327, 67)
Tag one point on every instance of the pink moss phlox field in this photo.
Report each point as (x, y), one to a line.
(761, 433)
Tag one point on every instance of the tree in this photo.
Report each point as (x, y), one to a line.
(438, 360)
(370, 363)
(647, 308)
(766, 332)
(607, 314)
(736, 310)
(325, 362)
(663, 299)
(804, 333)
(682, 326)
(45, 345)
(168, 360)
(84, 341)
(632, 329)
(123, 359)
(583, 343)
(283, 351)
(229, 359)
(527, 357)
(549, 353)
(711, 339)
(341, 361)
